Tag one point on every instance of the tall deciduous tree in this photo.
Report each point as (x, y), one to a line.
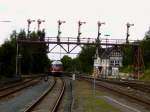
(7, 56)
(83, 62)
(33, 56)
(86, 58)
(145, 45)
(67, 63)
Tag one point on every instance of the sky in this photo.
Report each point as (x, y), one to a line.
(115, 13)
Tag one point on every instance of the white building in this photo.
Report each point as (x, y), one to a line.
(109, 61)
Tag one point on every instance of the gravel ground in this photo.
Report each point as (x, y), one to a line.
(46, 104)
(23, 98)
(101, 100)
(7, 82)
(127, 90)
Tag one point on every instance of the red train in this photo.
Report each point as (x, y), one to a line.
(56, 68)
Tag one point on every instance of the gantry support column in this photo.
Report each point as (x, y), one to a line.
(138, 63)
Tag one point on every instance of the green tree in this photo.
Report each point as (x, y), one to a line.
(7, 57)
(82, 63)
(67, 63)
(76, 65)
(147, 35)
(86, 58)
(145, 45)
(127, 56)
(33, 56)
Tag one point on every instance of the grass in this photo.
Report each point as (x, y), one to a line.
(90, 102)
(146, 75)
(2, 78)
(97, 103)
(127, 69)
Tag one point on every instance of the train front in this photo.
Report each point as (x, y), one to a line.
(56, 68)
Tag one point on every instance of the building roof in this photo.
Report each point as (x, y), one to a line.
(105, 53)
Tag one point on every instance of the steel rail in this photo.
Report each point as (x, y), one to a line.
(15, 89)
(33, 105)
(135, 97)
(133, 85)
(39, 100)
(14, 85)
(59, 98)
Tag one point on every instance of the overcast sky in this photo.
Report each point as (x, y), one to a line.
(115, 13)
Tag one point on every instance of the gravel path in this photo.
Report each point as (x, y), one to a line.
(23, 98)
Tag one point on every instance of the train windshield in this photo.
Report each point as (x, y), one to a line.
(56, 63)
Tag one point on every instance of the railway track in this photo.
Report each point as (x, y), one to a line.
(6, 91)
(50, 99)
(7, 82)
(135, 85)
(14, 85)
(121, 90)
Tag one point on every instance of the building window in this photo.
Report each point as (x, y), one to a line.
(111, 62)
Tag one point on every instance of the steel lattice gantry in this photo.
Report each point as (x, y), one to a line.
(70, 41)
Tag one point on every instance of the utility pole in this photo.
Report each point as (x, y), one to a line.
(59, 31)
(106, 50)
(106, 35)
(39, 21)
(18, 60)
(29, 21)
(79, 32)
(128, 26)
(98, 38)
(99, 33)
(99, 26)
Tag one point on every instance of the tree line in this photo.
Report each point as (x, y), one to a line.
(33, 57)
(84, 61)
